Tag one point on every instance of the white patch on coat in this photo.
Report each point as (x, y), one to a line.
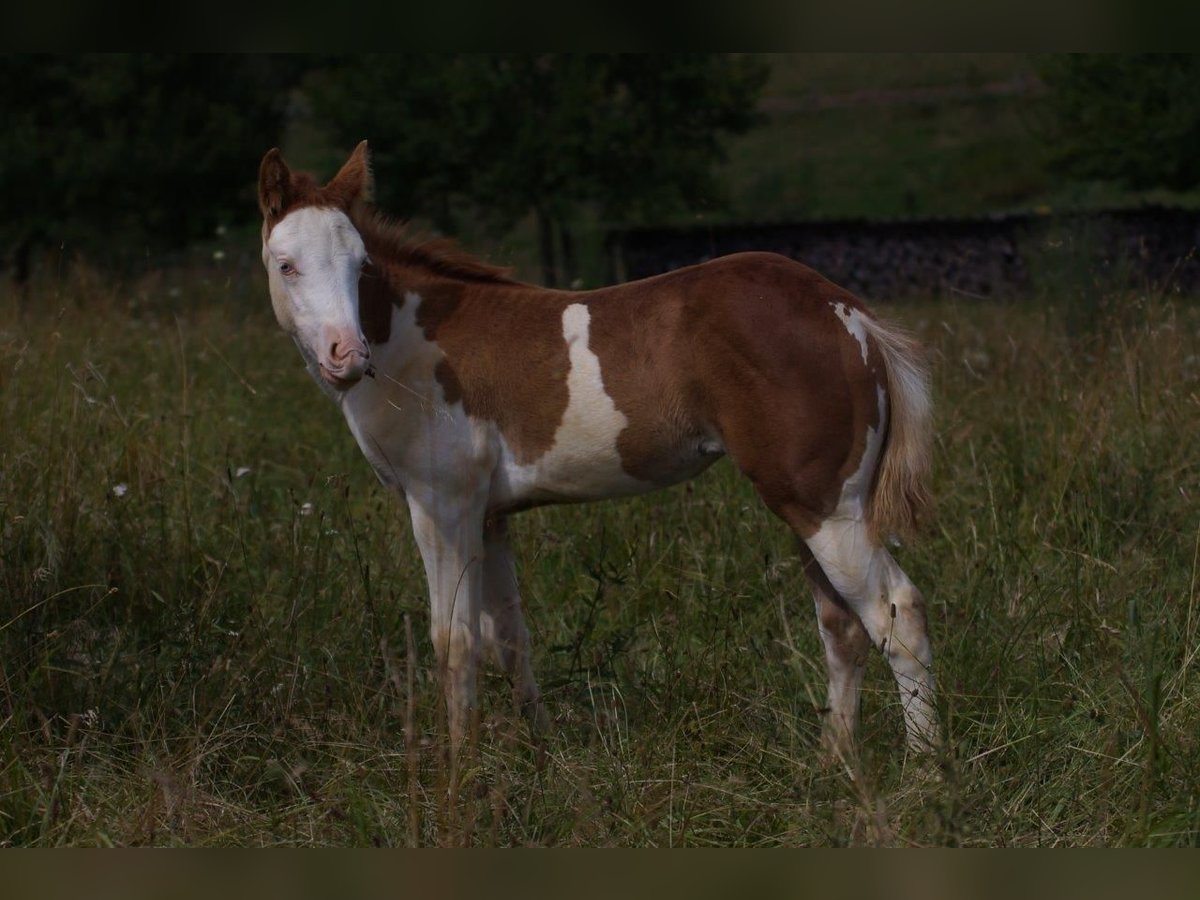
(852, 319)
(399, 417)
(583, 462)
(839, 535)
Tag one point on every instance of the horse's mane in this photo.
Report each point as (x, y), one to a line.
(389, 240)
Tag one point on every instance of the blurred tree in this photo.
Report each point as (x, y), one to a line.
(1134, 119)
(116, 156)
(501, 136)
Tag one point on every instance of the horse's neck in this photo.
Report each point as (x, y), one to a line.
(390, 309)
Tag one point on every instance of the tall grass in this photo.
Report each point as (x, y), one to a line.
(213, 620)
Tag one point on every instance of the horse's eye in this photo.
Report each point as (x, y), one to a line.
(286, 268)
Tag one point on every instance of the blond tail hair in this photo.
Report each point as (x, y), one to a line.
(901, 490)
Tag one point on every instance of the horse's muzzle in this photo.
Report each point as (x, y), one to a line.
(346, 370)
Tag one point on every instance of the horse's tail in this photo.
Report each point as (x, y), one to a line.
(901, 490)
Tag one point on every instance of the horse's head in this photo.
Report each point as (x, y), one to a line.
(314, 257)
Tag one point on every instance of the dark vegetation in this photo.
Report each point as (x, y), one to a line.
(115, 159)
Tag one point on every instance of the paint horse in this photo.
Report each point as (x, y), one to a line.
(490, 396)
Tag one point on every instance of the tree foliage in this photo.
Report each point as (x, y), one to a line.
(117, 157)
(1134, 119)
(501, 136)
(120, 155)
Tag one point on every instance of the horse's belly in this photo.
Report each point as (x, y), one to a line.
(586, 469)
(589, 469)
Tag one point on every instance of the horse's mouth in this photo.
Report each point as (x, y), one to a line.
(342, 380)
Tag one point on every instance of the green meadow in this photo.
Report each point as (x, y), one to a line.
(213, 619)
(213, 624)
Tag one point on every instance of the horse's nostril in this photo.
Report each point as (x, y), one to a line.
(341, 352)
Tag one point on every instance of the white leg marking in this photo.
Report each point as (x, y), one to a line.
(877, 590)
(891, 610)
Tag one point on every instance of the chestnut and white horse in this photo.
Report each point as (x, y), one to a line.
(490, 396)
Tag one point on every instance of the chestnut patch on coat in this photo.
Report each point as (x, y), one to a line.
(452, 390)
(648, 374)
(376, 300)
(746, 349)
(805, 396)
(505, 358)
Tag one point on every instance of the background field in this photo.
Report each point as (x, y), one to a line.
(220, 655)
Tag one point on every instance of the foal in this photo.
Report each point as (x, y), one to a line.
(490, 396)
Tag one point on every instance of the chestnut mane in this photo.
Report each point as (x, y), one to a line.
(394, 241)
(390, 240)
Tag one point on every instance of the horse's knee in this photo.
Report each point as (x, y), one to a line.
(842, 632)
(497, 650)
(838, 622)
(909, 602)
(454, 647)
(907, 609)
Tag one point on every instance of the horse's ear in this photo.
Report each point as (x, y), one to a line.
(274, 185)
(354, 183)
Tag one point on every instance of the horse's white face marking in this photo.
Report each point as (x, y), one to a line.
(584, 461)
(852, 319)
(313, 258)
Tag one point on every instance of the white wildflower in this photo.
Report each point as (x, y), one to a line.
(242, 470)
(306, 509)
(120, 490)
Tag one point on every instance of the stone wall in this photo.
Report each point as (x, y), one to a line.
(1150, 247)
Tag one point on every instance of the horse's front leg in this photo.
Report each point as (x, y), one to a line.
(449, 532)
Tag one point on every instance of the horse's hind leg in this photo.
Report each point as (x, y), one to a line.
(890, 608)
(502, 625)
(847, 647)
